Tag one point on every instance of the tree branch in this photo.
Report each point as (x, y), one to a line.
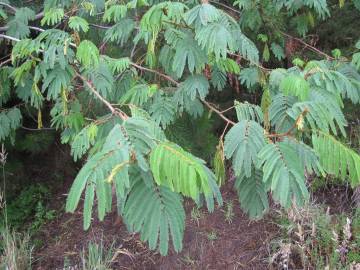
(312, 48)
(9, 37)
(13, 9)
(113, 110)
(212, 108)
(168, 78)
(287, 133)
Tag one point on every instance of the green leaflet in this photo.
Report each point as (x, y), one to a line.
(118, 65)
(278, 51)
(215, 194)
(115, 13)
(5, 86)
(163, 111)
(156, 213)
(83, 141)
(120, 32)
(356, 60)
(104, 165)
(308, 157)
(9, 121)
(78, 24)
(245, 46)
(52, 16)
(278, 112)
(187, 52)
(252, 193)
(179, 170)
(193, 106)
(195, 85)
(242, 144)
(283, 173)
(137, 95)
(88, 54)
(57, 80)
(102, 78)
(296, 86)
(88, 205)
(247, 111)
(249, 76)
(216, 38)
(202, 15)
(341, 81)
(336, 158)
(319, 115)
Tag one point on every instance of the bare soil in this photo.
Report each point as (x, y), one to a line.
(211, 242)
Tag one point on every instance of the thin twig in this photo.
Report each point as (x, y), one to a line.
(287, 133)
(14, 9)
(156, 72)
(37, 129)
(9, 37)
(212, 108)
(113, 110)
(5, 62)
(307, 45)
(225, 6)
(8, 6)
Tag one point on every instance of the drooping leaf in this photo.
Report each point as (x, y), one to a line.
(336, 158)
(156, 212)
(252, 193)
(242, 144)
(283, 173)
(179, 170)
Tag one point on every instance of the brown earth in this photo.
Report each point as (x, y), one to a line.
(211, 242)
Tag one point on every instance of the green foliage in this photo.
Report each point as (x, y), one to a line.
(252, 193)
(52, 16)
(110, 164)
(134, 89)
(88, 54)
(283, 173)
(296, 86)
(336, 158)
(242, 144)
(9, 121)
(247, 111)
(179, 170)
(77, 23)
(155, 212)
(29, 209)
(83, 141)
(195, 85)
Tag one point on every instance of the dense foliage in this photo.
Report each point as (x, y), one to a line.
(118, 79)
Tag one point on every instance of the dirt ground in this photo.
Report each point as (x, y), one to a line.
(210, 242)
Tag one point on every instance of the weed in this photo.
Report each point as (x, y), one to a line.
(229, 212)
(96, 257)
(30, 205)
(317, 240)
(196, 215)
(212, 236)
(16, 250)
(188, 260)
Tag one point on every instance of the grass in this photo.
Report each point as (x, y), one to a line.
(16, 250)
(97, 257)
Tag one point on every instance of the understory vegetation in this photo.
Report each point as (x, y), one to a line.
(167, 107)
